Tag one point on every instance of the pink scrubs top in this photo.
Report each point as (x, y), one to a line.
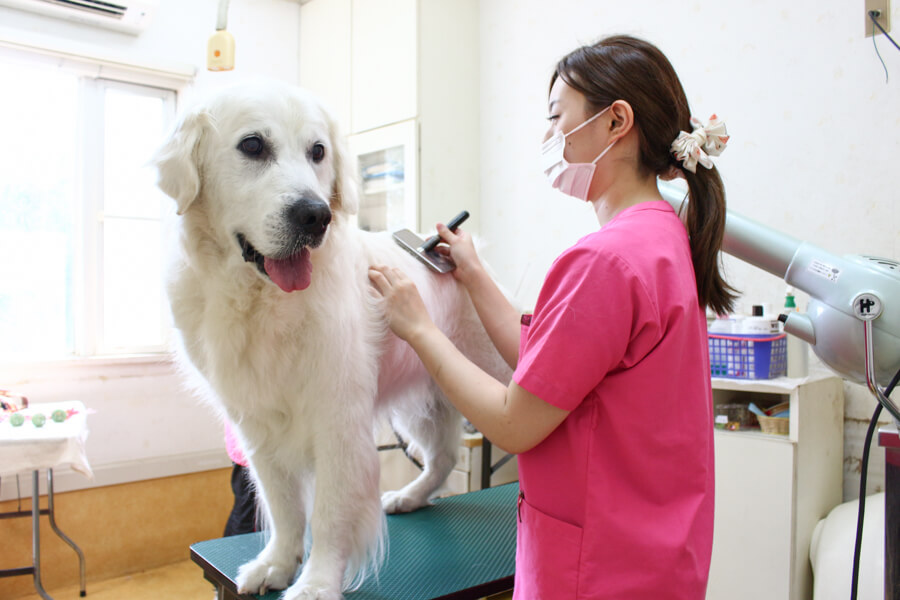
(233, 446)
(618, 501)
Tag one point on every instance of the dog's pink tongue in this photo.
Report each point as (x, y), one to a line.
(294, 273)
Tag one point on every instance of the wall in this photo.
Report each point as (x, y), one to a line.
(814, 130)
(804, 96)
(265, 31)
(144, 424)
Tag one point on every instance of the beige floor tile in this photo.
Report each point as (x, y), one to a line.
(183, 580)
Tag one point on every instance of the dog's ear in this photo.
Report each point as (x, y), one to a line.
(345, 192)
(178, 160)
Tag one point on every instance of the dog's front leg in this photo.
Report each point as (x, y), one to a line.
(347, 522)
(278, 492)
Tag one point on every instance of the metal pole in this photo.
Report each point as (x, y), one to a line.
(52, 513)
(36, 533)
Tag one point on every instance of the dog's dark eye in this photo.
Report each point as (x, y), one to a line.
(251, 145)
(318, 152)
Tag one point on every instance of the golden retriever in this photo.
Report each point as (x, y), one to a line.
(275, 311)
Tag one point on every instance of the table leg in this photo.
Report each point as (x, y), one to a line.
(36, 534)
(485, 463)
(63, 536)
(892, 525)
(222, 592)
(488, 469)
(225, 594)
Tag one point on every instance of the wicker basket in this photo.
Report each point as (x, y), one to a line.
(776, 425)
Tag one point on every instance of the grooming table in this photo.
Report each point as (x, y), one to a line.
(461, 547)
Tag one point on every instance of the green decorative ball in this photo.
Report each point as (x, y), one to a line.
(38, 420)
(16, 420)
(59, 415)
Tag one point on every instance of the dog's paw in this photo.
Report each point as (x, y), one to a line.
(300, 591)
(398, 502)
(259, 576)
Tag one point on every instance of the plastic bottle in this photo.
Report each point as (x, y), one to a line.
(759, 322)
(797, 349)
(721, 324)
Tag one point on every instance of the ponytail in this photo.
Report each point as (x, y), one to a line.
(638, 72)
(706, 229)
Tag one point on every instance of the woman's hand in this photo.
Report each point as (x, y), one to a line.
(461, 249)
(404, 308)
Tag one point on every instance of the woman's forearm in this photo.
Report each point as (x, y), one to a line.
(512, 418)
(500, 319)
(477, 395)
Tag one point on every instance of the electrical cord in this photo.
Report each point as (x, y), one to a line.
(870, 432)
(874, 16)
(864, 466)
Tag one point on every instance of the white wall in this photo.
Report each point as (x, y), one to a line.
(814, 135)
(814, 131)
(265, 32)
(144, 423)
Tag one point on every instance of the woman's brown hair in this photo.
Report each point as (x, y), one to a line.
(626, 68)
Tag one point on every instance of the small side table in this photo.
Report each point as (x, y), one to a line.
(890, 441)
(31, 448)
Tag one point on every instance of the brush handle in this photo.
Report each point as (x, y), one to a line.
(455, 222)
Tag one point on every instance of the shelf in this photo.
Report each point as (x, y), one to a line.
(757, 435)
(778, 385)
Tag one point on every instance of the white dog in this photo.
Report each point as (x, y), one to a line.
(275, 310)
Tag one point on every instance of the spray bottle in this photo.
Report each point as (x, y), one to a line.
(797, 349)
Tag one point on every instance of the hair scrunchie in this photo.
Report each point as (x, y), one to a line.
(704, 141)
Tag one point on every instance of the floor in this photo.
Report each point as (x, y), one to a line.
(182, 580)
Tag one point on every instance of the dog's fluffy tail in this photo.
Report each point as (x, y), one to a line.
(368, 565)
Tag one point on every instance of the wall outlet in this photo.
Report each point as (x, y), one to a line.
(883, 8)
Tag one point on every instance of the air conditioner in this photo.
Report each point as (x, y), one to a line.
(129, 16)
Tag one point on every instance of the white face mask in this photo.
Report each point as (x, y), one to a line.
(573, 179)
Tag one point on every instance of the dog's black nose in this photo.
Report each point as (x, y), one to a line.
(310, 216)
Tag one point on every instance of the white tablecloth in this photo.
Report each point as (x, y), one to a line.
(26, 447)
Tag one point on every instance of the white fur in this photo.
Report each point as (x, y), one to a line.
(304, 375)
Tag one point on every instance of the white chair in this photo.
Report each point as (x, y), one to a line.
(831, 552)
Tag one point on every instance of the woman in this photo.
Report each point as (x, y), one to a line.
(610, 404)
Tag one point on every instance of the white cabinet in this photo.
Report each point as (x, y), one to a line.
(771, 490)
(448, 111)
(383, 75)
(387, 158)
(325, 56)
(381, 62)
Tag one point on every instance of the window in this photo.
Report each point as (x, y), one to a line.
(82, 224)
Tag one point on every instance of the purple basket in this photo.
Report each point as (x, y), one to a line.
(748, 356)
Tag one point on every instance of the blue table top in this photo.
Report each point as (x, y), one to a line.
(460, 547)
